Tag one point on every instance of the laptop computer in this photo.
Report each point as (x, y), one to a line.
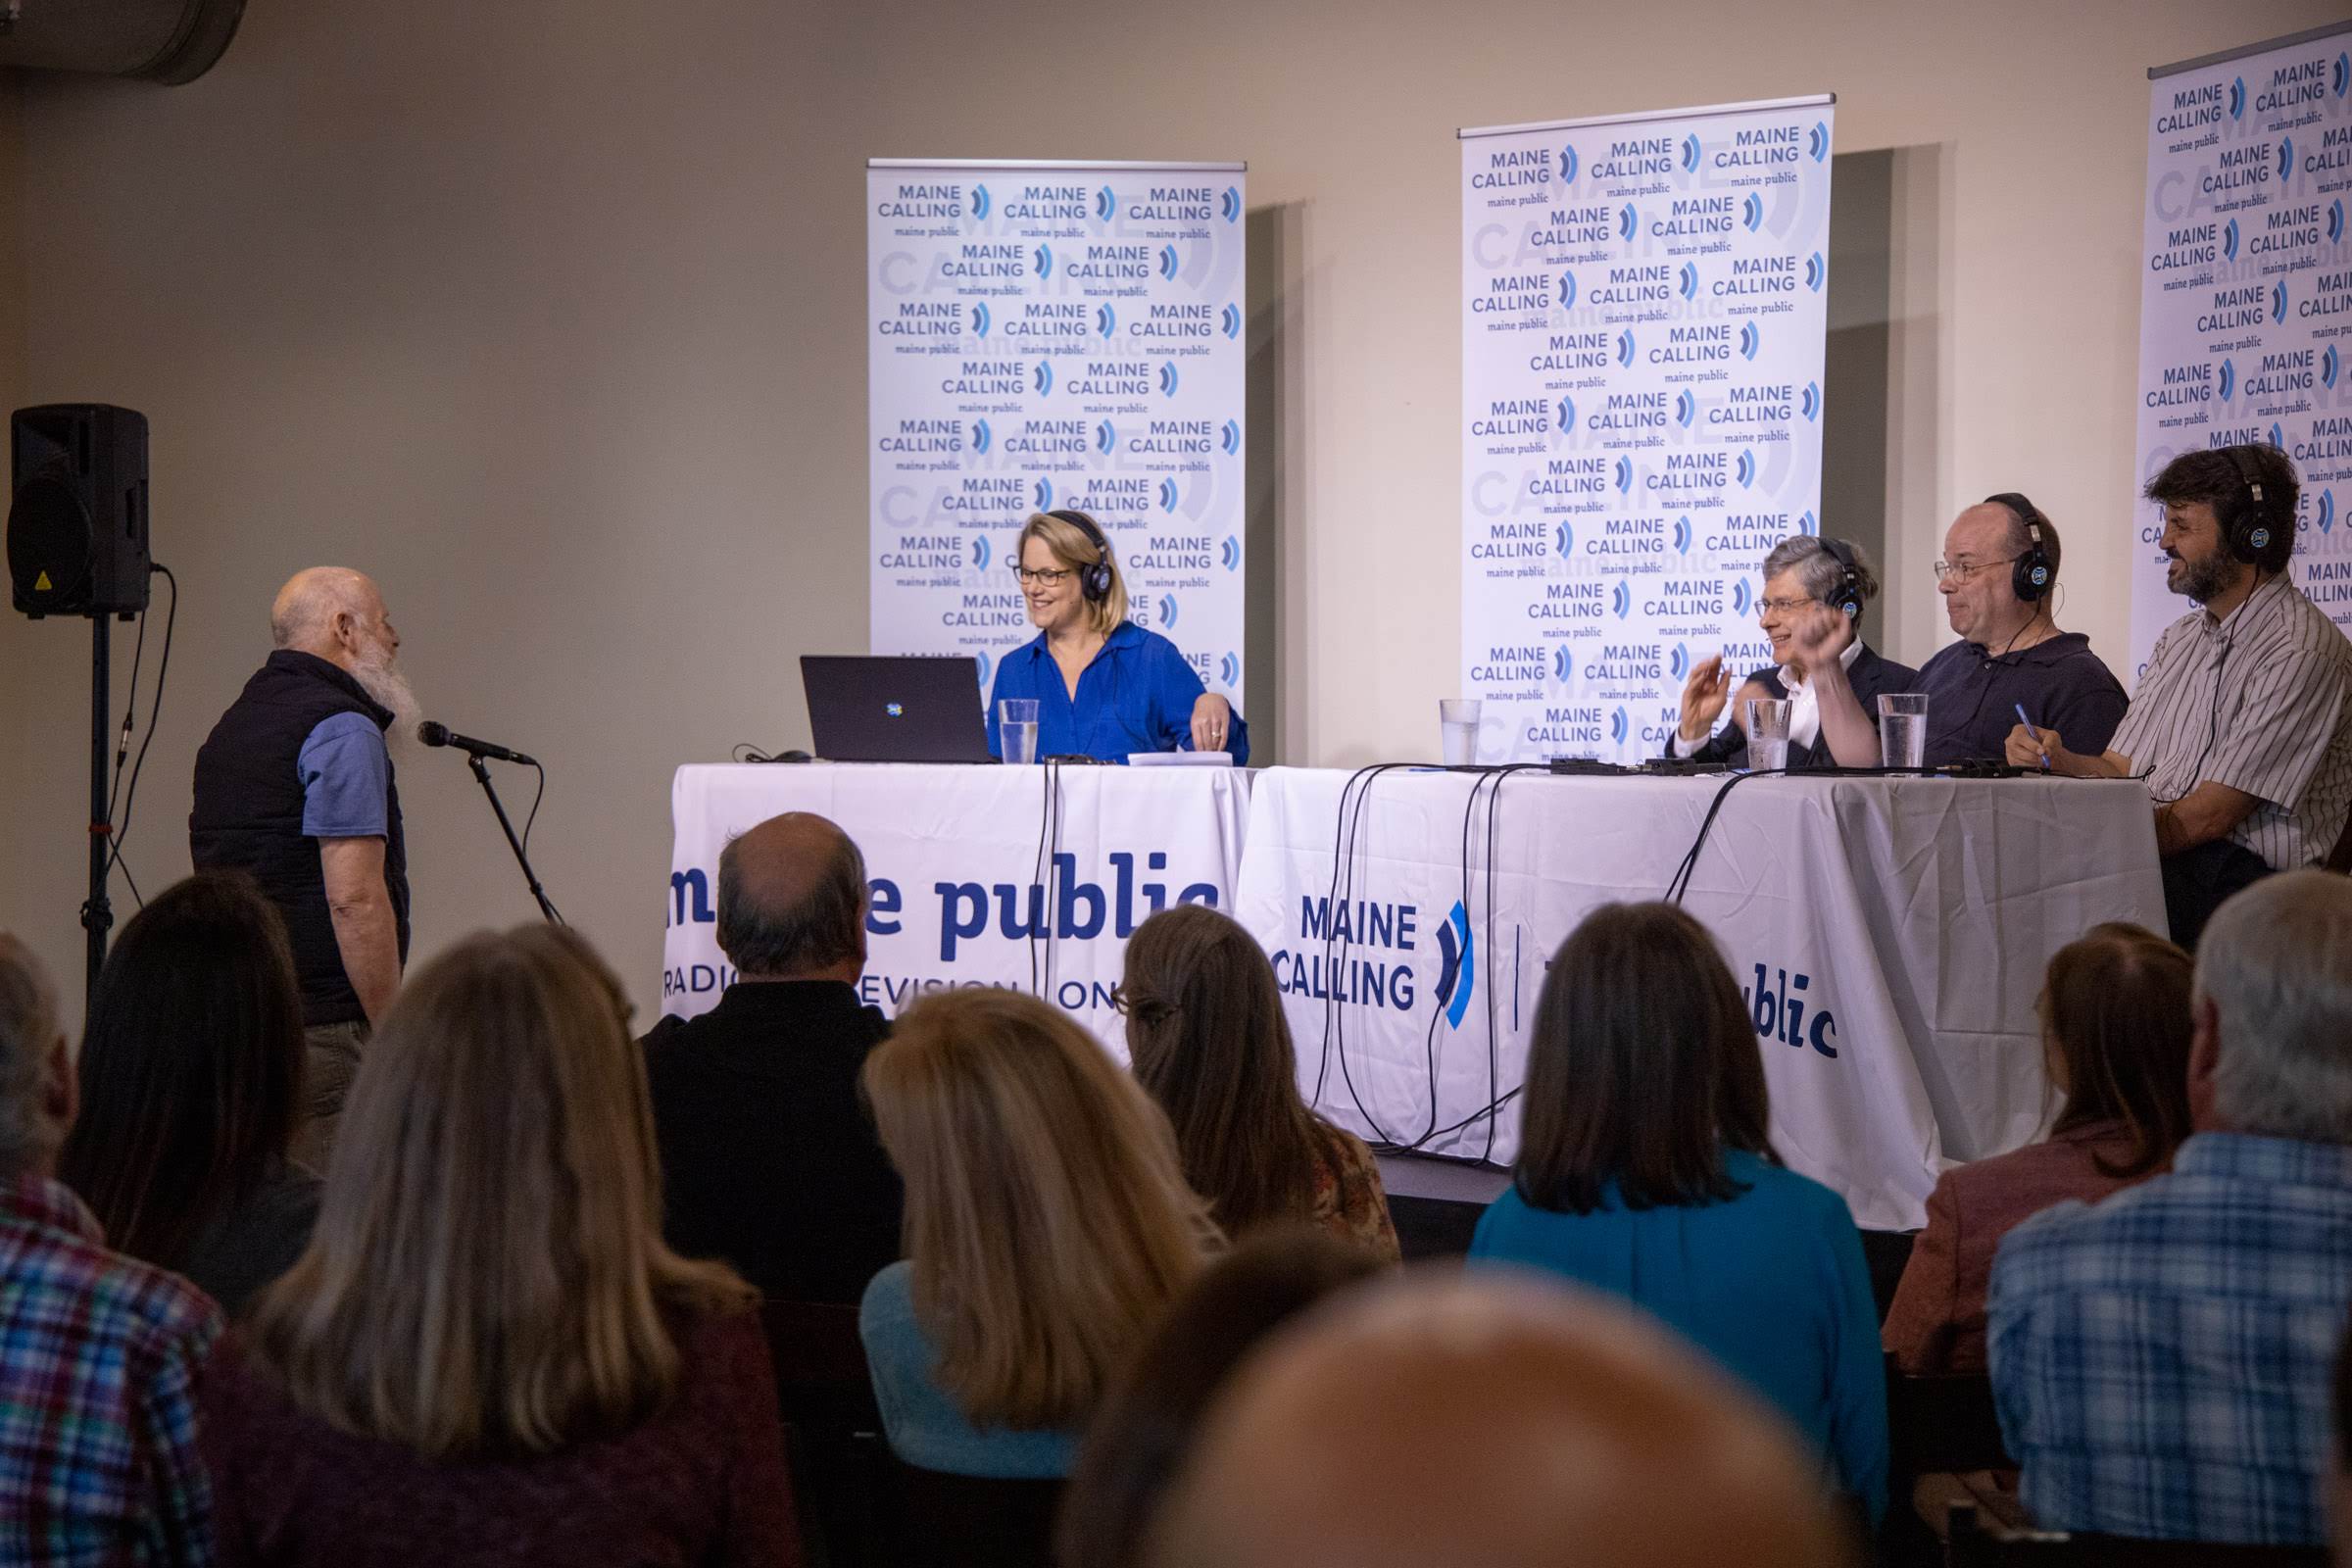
(897, 709)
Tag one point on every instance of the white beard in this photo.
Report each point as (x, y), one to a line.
(388, 684)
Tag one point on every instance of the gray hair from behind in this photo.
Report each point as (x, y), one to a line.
(2275, 963)
(822, 927)
(30, 1023)
(1817, 566)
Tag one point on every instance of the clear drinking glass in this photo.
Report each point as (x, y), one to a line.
(1016, 728)
(1458, 725)
(1766, 722)
(1903, 729)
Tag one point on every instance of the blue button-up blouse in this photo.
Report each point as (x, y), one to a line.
(1135, 696)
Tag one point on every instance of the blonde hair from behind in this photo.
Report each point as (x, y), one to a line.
(1075, 551)
(487, 1274)
(1047, 1220)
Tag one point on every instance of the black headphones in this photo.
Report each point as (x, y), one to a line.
(2029, 574)
(2248, 529)
(1848, 595)
(1094, 582)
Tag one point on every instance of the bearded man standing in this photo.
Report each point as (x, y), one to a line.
(295, 787)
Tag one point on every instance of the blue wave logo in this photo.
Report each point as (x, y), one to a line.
(1817, 271)
(2229, 379)
(1167, 377)
(1745, 468)
(1686, 408)
(2330, 364)
(1742, 596)
(895, 709)
(1105, 203)
(1229, 669)
(1167, 609)
(1045, 495)
(2343, 74)
(980, 552)
(1689, 281)
(1230, 438)
(981, 435)
(1750, 340)
(1230, 552)
(1681, 535)
(2279, 303)
(1625, 346)
(1230, 204)
(1689, 155)
(986, 663)
(1564, 538)
(1810, 400)
(1045, 378)
(2230, 240)
(1232, 320)
(1567, 290)
(2277, 436)
(1678, 663)
(2335, 220)
(1625, 475)
(1751, 212)
(980, 203)
(1169, 262)
(980, 319)
(1817, 140)
(1628, 220)
(1457, 969)
(1567, 418)
(2287, 158)
(1809, 524)
(1563, 665)
(2237, 98)
(1106, 436)
(1568, 163)
(1107, 320)
(1621, 600)
(1043, 261)
(1619, 726)
(2327, 517)
(1168, 495)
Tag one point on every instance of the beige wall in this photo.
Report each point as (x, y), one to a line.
(550, 314)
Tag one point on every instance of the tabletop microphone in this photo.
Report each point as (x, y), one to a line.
(433, 734)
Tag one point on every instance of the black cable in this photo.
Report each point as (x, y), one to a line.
(1346, 835)
(537, 796)
(1037, 868)
(1681, 882)
(155, 710)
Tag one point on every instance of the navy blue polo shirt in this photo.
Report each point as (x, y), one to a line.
(1974, 695)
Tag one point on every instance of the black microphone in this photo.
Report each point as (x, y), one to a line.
(433, 734)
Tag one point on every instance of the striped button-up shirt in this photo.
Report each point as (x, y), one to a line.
(2261, 702)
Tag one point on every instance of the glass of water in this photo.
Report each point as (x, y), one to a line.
(1766, 722)
(1903, 729)
(1457, 725)
(1016, 728)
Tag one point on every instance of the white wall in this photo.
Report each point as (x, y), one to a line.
(549, 316)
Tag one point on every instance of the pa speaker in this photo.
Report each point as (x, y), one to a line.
(77, 523)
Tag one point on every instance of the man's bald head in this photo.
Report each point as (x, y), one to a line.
(332, 611)
(791, 901)
(1513, 1423)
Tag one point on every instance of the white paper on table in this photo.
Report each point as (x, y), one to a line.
(1179, 759)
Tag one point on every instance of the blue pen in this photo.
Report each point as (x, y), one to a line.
(2037, 734)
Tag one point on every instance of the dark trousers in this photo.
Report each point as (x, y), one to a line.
(2196, 882)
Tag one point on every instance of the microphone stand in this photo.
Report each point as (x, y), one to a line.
(482, 775)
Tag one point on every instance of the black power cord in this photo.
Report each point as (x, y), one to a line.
(118, 829)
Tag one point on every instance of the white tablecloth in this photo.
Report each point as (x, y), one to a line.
(1889, 935)
(955, 858)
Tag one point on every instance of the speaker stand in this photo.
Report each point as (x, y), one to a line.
(482, 775)
(97, 914)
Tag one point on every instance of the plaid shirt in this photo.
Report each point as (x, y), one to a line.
(2161, 1361)
(98, 1361)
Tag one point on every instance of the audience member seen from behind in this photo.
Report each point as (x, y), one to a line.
(1645, 1172)
(1503, 1422)
(1139, 1439)
(2115, 1020)
(99, 1353)
(2161, 1360)
(1206, 1033)
(191, 1081)
(487, 1355)
(768, 1156)
(1048, 1225)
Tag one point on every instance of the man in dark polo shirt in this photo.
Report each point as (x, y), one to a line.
(2000, 563)
(295, 786)
(769, 1158)
(2242, 724)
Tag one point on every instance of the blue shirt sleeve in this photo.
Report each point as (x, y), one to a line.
(346, 779)
(1175, 686)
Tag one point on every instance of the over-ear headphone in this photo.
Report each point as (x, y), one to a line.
(2248, 529)
(1848, 595)
(2029, 574)
(1094, 582)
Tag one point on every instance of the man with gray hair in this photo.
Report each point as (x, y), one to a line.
(769, 1159)
(98, 1353)
(295, 787)
(2161, 1360)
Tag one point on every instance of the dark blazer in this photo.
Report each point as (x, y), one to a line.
(1869, 676)
(768, 1156)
